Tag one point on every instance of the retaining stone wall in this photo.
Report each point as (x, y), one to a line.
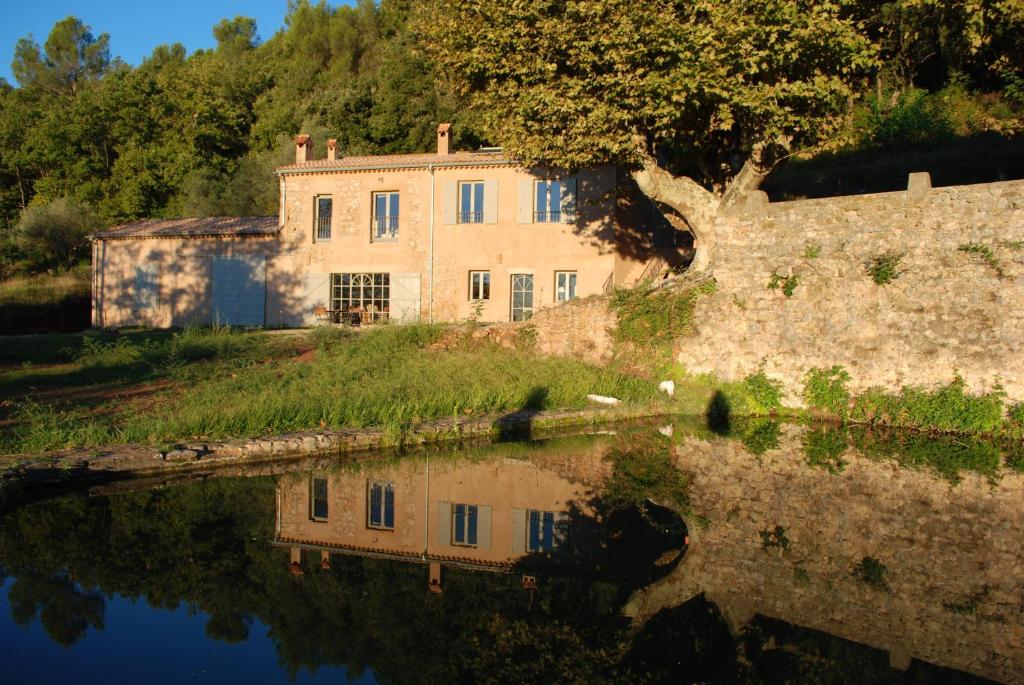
(948, 311)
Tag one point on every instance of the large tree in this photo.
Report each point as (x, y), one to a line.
(698, 98)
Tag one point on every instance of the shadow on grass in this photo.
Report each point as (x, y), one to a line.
(518, 425)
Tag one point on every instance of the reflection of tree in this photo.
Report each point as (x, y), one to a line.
(208, 545)
(65, 611)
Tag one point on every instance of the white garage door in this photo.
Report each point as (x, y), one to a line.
(239, 290)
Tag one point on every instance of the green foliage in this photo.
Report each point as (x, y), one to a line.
(824, 448)
(986, 254)
(755, 395)
(54, 236)
(948, 408)
(825, 390)
(812, 251)
(774, 539)
(873, 572)
(787, 285)
(1016, 413)
(653, 317)
(620, 79)
(884, 268)
(765, 392)
(969, 605)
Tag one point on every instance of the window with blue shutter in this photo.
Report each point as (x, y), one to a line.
(464, 525)
(381, 505)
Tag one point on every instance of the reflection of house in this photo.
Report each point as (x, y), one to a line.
(493, 515)
(407, 237)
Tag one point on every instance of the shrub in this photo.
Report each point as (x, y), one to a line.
(1016, 413)
(948, 408)
(761, 435)
(55, 235)
(884, 268)
(946, 455)
(825, 389)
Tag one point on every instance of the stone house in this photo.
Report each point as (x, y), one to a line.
(440, 236)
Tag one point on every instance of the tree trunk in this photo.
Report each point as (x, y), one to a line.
(698, 206)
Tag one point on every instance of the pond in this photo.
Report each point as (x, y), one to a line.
(762, 553)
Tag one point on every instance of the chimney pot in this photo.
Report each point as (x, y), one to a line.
(332, 149)
(303, 149)
(444, 139)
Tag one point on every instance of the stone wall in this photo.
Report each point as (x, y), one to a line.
(951, 552)
(948, 311)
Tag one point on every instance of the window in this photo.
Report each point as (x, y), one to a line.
(479, 285)
(318, 499)
(381, 505)
(366, 294)
(323, 218)
(385, 217)
(565, 286)
(471, 202)
(543, 532)
(522, 297)
(548, 203)
(464, 518)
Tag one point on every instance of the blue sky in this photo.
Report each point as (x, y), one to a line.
(135, 28)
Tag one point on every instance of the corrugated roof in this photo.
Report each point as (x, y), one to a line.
(193, 227)
(399, 161)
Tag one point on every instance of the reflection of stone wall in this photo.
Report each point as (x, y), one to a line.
(942, 545)
(948, 311)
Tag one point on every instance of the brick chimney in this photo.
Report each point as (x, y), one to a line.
(303, 149)
(444, 141)
(332, 149)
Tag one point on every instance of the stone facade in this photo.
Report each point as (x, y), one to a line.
(952, 554)
(947, 312)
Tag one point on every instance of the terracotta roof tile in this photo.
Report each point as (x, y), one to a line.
(194, 227)
(399, 161)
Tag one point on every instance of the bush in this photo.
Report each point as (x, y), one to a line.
(884, 268)
(825, 389)
(650, 317)
(948, 408)
(873, 572)
(824, 448)
(54, 236)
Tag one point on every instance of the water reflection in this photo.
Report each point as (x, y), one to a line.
(811, 555)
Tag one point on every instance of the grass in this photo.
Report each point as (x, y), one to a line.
(44, 289)
(948, 408)
(45, 302)
(228, 384)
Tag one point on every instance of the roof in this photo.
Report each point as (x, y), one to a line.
(193, 227)
(418, 160)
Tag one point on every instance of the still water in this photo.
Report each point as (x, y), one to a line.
(761, 553)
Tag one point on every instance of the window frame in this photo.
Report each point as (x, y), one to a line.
(575, 285)
(527, 311)
(318, 224)
(384, 487)
(392, 221)
(485, 286)
(313, 515)
(471, 515)
(546, 537)
(342, 293)
(547, 216)
(475, 215)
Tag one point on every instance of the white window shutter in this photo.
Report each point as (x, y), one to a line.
(444, 523)
(526, 201)
(519, 531)
(450, 201)
(483, 526)
(490, 202)
(569, 200)
(405, 298)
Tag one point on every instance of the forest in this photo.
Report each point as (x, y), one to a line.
(87, 140)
